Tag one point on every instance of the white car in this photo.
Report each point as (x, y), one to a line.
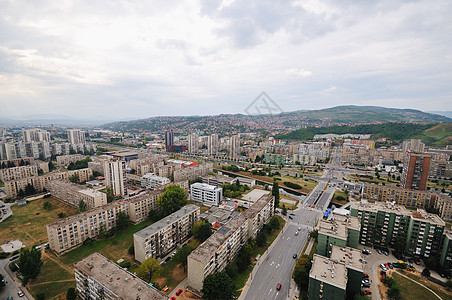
(20, 294)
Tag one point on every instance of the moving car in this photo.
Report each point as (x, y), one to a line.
(278, 287)
(295, 255)
(296, 232)
(299, 228)
(179, 292)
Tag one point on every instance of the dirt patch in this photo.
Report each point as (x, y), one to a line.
(188, 295)
(178, 273)
(161, 281)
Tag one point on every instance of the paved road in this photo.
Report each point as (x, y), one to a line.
(12, 287)
(277, 265)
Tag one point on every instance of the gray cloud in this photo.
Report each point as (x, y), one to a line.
(138, 58)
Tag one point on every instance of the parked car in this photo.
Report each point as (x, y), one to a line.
(367, 292)
(173, 298)
(390, 266)
(386, 253)
(442, 275)
(179, 292)
(20, 294)
(417, 262)
(367, 284)
(365, 275)
(290, 217)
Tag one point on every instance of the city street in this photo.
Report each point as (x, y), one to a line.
(12, 287)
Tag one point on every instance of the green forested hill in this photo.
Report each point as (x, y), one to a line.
(431, 134)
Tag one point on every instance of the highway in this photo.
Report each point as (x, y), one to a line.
(276, 265)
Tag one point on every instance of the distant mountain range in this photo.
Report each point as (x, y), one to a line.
(442, 113)
(284, 122)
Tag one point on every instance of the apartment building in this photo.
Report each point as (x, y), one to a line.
(76, 136)
(259, 214)
(71, 194)
(206, 194)
(12, 188)
(383, 223)
(275, 159)
(327, 279)
(65, 160)
(402, 196)
(446, 254)
(193, 143)
(440, 169)
(190, 173)
(218, 180)
(234, 147)
(217, 251)
(69, 233)
(164, 235)
(212, 144)
(17, 173)
(415, 171)
(353, 260)
(97, 277)
(151, 181)
(35, 135)
(114, 172)
(339, 230)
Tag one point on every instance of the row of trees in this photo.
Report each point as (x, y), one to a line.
(79, 164)
(234, 190)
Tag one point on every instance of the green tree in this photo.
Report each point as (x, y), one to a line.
(399, 245)
(154, 215)
(74, 179)
(30, 263)
(274, 223)
(426, 272)
(149, 269)
(131, 250)
(41, 296)
(201, 230)
(218, 287)
(82, 205)
(301, 272)
(261, 239)
(110, 194)
(314, 234)
(30, 189)
(284, 210)
(181, 255)
(275, 193)
(393, 292)
(122, 220)
(71, 294)
(47, 205)
(172, 199)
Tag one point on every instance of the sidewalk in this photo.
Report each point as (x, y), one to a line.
(262, 258)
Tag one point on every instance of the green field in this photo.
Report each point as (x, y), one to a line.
(53, 281)
(28, 222)
(411, 290)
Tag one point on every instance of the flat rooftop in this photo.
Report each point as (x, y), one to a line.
(157, 226)
(218, 214)
(328, 271)
(124, 284)
(207, 249)
(257, 206)
(255, 195)
(205, 186)
(91, 192)
(352, 258)
(220, 178)
(333, 229)
(391, 208)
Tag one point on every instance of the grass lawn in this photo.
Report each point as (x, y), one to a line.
(340, 197)
(442, 292)
(313, 250)
(114, 248)
(54, 280)
(2, 184)
(28, 223)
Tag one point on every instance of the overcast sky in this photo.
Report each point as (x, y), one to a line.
(110, 59)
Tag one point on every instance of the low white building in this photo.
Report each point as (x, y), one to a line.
(151, 181)
(206, 194)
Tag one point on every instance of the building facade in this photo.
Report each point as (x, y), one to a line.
(415, 171)
(99, 278)
(163, 236)
(76, 136)
(71, 194)
(151, 181)
(114, 176)
(206, 194)
(17, 173)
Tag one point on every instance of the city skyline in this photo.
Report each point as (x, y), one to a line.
(137, 60)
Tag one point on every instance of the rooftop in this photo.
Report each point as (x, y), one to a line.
(328, 271)
(220, 178)
(205, 186)
(91, 192)
(255, 195)
(391, 208)
(257, 206)
(218, 214)
(336, 225)
(207, 249)
(124, 284)
(157, 226)
(352, 258)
